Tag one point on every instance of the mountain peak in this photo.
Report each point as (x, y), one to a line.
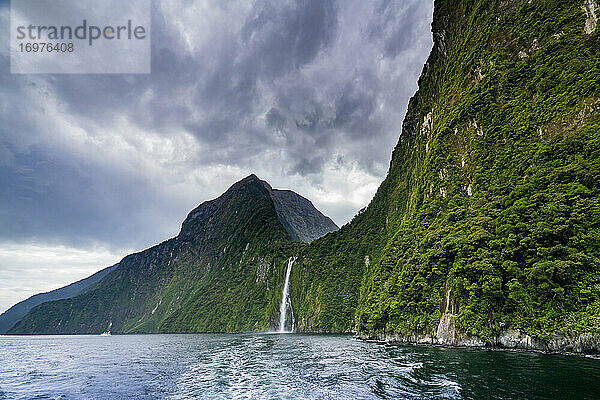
(302, 221)
(300, 218)
(251, 177)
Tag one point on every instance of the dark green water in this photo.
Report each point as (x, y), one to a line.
(279, 366)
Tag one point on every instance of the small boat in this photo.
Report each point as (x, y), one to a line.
(107, 333)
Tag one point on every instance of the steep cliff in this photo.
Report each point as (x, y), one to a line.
(497, 176)
(486, 230)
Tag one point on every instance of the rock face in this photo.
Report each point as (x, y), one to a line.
(514, 340)
(14, 314)
(447, 332)
(301, 219)
(591, 12)
(220, 274)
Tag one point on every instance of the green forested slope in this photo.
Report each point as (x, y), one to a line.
(14, 314)
(492, 191)
(223, 272)
(500, 157)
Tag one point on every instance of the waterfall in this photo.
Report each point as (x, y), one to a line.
(285, 297)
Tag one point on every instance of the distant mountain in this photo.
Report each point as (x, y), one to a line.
(14, 314)
(300, 218)
(302, 221)
(221, 273)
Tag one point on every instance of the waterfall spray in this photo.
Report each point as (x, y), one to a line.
(285, 298)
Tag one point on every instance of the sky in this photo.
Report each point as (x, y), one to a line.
(308, 94)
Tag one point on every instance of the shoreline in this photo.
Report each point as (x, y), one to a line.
(380, 339)
(583, 345)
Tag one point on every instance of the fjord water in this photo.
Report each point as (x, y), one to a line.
(279, 366)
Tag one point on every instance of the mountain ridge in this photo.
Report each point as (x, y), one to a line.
(15, 313)
(232, 236)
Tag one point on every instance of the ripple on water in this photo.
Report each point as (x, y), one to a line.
(279, 367)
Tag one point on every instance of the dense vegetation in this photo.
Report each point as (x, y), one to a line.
(222, 273)
(492, 191)
(501, 158)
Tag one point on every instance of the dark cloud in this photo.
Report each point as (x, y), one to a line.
(282, 37)
(308, 94)
(275, 120)
(61, 198)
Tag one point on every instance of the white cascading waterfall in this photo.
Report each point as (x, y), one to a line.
(285, 298)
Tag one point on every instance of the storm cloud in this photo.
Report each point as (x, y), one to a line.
(307, 94)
